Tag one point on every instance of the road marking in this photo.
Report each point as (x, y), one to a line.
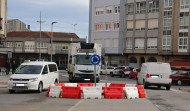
(176, 90)
(65, 75)
(76, 105)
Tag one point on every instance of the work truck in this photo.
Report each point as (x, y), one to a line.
(79, 65)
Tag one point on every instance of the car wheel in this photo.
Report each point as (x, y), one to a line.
(56, 81)
(123, 75)
(130, 76)
(167, 87)
(111, 74)
(40, 87)
(11, 91)
(144, 84)
(179, 82)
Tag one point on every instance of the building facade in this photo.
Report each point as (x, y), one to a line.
(149, 30)
(26, 46)
(3, 19)
(104, 29)
(16, 25)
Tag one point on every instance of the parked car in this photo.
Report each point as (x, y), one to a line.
(33, 76)
(156, 74)
(180, 77)
(121, 71)
(62, 67)
(109, 69)
(133, 74)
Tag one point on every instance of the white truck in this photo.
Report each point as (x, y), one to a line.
(79, 65)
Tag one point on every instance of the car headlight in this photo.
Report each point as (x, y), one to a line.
(33, 79)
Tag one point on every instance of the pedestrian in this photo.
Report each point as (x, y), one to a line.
(14, 66)
(8, 66)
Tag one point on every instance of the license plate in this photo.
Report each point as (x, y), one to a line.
(19, 84)
(154, 76)
(87, 79)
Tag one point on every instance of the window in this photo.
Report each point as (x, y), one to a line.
(19, 44)
(52, 67)
(108, 26)
(107, 43)
(29, 47)
(129, 43)
(130, 25)
(9, 44)
(98, 41)
(167, 13)
(43, 45)
(152, 24)
(99, 10)
(116, 25)
(108, 10)
(130, 8)
(115, 43)
(99, 27)
(140, 25)
(45, 70)
(166, 41)
(167, 3)
(183, 44)
(139, 44)
(167, 23)
(117, 9)
(184, 4)
(152, 43)
(154, 6)
(184, 20)
(140, 7)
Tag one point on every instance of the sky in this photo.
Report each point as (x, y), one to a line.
(65, 12)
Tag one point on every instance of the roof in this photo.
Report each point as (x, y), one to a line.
(45, 34)
(180, 65)
(37, 63)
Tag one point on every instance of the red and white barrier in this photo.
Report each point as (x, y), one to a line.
(131, 92)
(55, 91)
(92, 92)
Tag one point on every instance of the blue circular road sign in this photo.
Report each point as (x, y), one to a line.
(95, 59)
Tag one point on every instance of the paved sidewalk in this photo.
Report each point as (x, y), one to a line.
(4, 80)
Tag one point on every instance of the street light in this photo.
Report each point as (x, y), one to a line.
(52, 39)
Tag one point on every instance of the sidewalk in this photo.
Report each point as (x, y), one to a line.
(4, 80)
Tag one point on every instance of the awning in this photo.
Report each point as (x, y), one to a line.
(180, 65)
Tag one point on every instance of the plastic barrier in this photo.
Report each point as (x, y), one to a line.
(117, 85)
(47, 94)
(60, 84)
(102, 84)
(113, 92)
(141, 91)
(130, 85)
(84, 84)
(55, 91)
(92, 92)
(71, 84)
(71, 92)
(131, 92)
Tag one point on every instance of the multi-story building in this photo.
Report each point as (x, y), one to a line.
(104, 29)
(26, 46)
(149, 30)
(16, 25)
(3, 19)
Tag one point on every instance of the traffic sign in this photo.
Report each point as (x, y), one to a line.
(95, 59)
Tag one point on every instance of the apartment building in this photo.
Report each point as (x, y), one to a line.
(26, 46)
(16, 25)
(104, 29)
(3, 19)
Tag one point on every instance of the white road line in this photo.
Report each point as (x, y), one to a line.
(76, 105)
(64, 75)
(175, 90)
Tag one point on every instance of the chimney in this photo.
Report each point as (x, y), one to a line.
(28, 27)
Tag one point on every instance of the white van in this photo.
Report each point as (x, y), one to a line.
(156, 74)
(33, 76)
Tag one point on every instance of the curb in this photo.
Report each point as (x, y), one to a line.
(3, 84)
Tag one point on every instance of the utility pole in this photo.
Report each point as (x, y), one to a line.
(40, 35)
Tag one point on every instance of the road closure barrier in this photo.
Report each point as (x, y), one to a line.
(89, 91)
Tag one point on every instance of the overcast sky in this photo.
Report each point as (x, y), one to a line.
(65, 12)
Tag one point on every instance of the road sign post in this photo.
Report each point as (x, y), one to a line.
(95, 60)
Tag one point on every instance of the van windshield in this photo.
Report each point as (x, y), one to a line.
(83, 60)
(29, 69)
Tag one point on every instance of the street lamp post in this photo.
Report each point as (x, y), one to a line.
(52, 39)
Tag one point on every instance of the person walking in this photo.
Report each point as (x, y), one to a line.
(8, 66)
(14, 66)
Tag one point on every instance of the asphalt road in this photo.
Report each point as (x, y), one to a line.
(157, 100)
